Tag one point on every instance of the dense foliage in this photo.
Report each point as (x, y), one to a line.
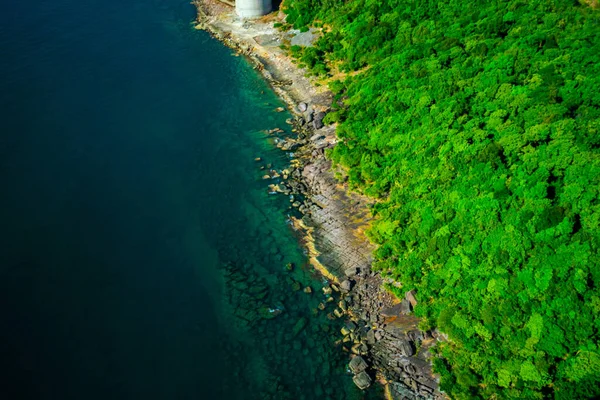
(476, 125)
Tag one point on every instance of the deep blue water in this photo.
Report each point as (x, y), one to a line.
(139, 246)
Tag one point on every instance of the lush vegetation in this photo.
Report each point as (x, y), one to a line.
(476, 126)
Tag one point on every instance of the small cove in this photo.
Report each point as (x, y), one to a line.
(142, 252)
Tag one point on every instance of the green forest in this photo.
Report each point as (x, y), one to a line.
(475, 127)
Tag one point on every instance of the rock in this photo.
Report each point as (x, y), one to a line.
(343, 306)
(410, 296)
(289, 266)
(321, 306)
(410, 369)
(425, 390)
(406, 348)
(357, 365)
(308, 290)
(327, 290)
(345, 331)
(356, 348)
(279, 109)
(374, 317)
(338, 313)
(371, 337)
(300, 325)
(318, 121)
(266, 177)
(392, 311)
(316, 137)
(302, 107)
(346, 286)
(362, 380)
(351, 326)
(379, 335)
(308, 117)
(258, 159)
(350, 272)
(405, 307)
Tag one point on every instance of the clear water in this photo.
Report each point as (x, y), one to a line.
(140, 251)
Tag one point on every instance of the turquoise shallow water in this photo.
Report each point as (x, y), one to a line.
(141, 252)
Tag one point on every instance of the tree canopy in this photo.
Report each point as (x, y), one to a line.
(475, 125)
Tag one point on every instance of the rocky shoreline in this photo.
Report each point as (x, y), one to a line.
(380, 333)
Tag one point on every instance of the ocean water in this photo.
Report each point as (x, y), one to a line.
(141, 254)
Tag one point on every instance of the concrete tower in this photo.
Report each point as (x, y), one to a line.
(252, 8)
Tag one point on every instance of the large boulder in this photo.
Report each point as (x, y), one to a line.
(410, 296)
(346, 286)
(362, 380)
(357, 365)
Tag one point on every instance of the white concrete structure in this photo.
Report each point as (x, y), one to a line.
(252, 8)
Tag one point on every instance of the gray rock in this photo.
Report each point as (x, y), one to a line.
(405, 307)
(319, 116)
(308, 117)
(362, 380)
(371, 337)
(410, 369)
(351, 326)
(318, 122)
(406, 348)
(393, 311)
(410, 296)
(357, 365)
(305, 39)
(302, 107)
(346, 286)
(350, 272)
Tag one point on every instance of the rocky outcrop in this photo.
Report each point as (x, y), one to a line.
(380, 332)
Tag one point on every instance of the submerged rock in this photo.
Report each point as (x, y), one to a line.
(357, 365)
(300, 325)
(362, 380)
